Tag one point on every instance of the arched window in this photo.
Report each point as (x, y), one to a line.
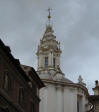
(21, 96)
(46, 61)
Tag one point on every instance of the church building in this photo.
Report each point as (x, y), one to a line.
(59, 94)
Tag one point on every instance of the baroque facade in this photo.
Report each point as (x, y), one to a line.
(19, 84)
(60, 93)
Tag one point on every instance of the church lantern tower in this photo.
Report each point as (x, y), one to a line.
(48, 52)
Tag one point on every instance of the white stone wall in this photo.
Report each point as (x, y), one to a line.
(43, 97)
(70, 100)
(60, 99)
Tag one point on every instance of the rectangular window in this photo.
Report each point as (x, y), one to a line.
(46, 61)
(34, 89)
(21, 97)
(79, 103)
(54, 62)
(32, 107)
(6, 84)
(77, 106)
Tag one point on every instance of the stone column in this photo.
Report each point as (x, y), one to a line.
(60, 102)
(41, 61)
(43, 97)
(83, 103)
(50, 59)
(58, 61)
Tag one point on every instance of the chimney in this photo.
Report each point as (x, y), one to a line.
(96, 82)
(96, 89)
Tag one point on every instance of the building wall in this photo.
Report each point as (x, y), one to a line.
(97, 107)
(18, 79)
(60, 99)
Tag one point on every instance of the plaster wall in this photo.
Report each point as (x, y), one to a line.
(60, 99)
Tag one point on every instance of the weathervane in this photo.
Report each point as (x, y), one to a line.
(49, 16)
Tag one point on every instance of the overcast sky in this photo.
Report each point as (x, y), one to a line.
(75, 24)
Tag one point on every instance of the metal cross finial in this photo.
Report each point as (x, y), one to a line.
(49, 16)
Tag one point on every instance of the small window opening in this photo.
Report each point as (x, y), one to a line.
(46, 61)
(54, 62)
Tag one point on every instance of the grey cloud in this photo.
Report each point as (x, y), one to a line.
(76, 26)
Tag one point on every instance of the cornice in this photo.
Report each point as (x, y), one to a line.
(65, 84)
(42, 50)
